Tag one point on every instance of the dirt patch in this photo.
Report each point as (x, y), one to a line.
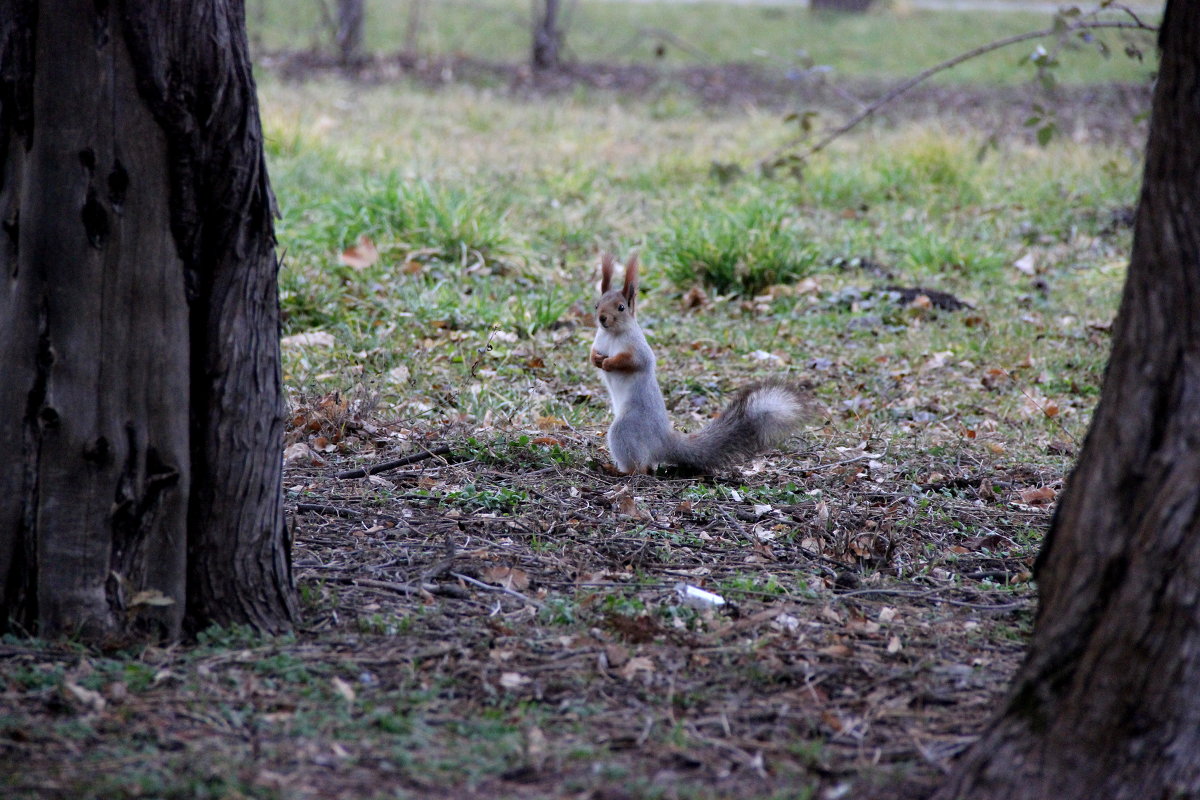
(1110, 114)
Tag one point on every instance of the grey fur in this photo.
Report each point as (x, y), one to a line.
(641, 436)
(743, 430)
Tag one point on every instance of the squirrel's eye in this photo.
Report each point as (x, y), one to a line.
(620, 306)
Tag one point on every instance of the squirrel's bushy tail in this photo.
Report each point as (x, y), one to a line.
(759, 417)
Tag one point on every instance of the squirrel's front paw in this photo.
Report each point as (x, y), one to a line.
(598, 359)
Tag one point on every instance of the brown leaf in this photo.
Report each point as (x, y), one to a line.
(361, 255)
(636, 665)
(508, 577)
(616, 655)
(1038, 497)
(992, 541)
(695, 298)
(836, 651)
(922, 302)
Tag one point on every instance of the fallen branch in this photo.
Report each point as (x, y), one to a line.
(363, 472)
(321, 508)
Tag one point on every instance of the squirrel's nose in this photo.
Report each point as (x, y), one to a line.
(604, 319)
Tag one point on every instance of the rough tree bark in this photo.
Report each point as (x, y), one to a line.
(1107, 703)
(547, 35)
(141, 396)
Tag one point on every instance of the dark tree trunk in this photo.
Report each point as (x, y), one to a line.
(547, 35)
(845, 6)
(1107, 704)
(141, 398)
(349, 35)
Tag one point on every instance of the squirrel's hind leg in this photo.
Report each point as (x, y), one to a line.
(631, 454)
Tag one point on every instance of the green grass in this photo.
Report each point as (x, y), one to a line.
(891, 42)
(533, 197)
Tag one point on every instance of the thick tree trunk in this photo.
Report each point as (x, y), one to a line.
(350, 18)
(547, 35)
(1107, 704)
(141, 400)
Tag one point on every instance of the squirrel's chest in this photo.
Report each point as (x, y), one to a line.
(625, 389)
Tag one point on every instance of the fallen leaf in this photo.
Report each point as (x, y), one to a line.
(695, 298)
(616, 655)
(93, 700)
(513, 680)
(1026, 264)
(508, 577)
(635, 665)
(308, 339)
(808, 286)
(361, 255)
(1038, 497)
(343, 688)
(894, 645)
(300, 454)
(836, 651)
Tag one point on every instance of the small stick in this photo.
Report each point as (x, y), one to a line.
(493, 588)
(321, 508)
(363, 472)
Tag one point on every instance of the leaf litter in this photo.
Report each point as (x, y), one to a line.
(861, 641)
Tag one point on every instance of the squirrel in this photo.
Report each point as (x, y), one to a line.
(641, 436)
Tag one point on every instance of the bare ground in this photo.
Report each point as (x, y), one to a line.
(1107, 114)
(507, 623)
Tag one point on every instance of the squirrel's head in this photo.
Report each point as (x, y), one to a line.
(616, 307)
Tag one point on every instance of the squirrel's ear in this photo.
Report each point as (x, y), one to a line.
(606, 272)
(631, 281)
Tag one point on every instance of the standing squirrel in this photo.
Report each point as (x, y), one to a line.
(641, 436)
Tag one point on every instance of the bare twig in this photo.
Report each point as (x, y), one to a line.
(321, 508)
(902, 88)
(363, 472)
(932, 594)
(493, 588)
